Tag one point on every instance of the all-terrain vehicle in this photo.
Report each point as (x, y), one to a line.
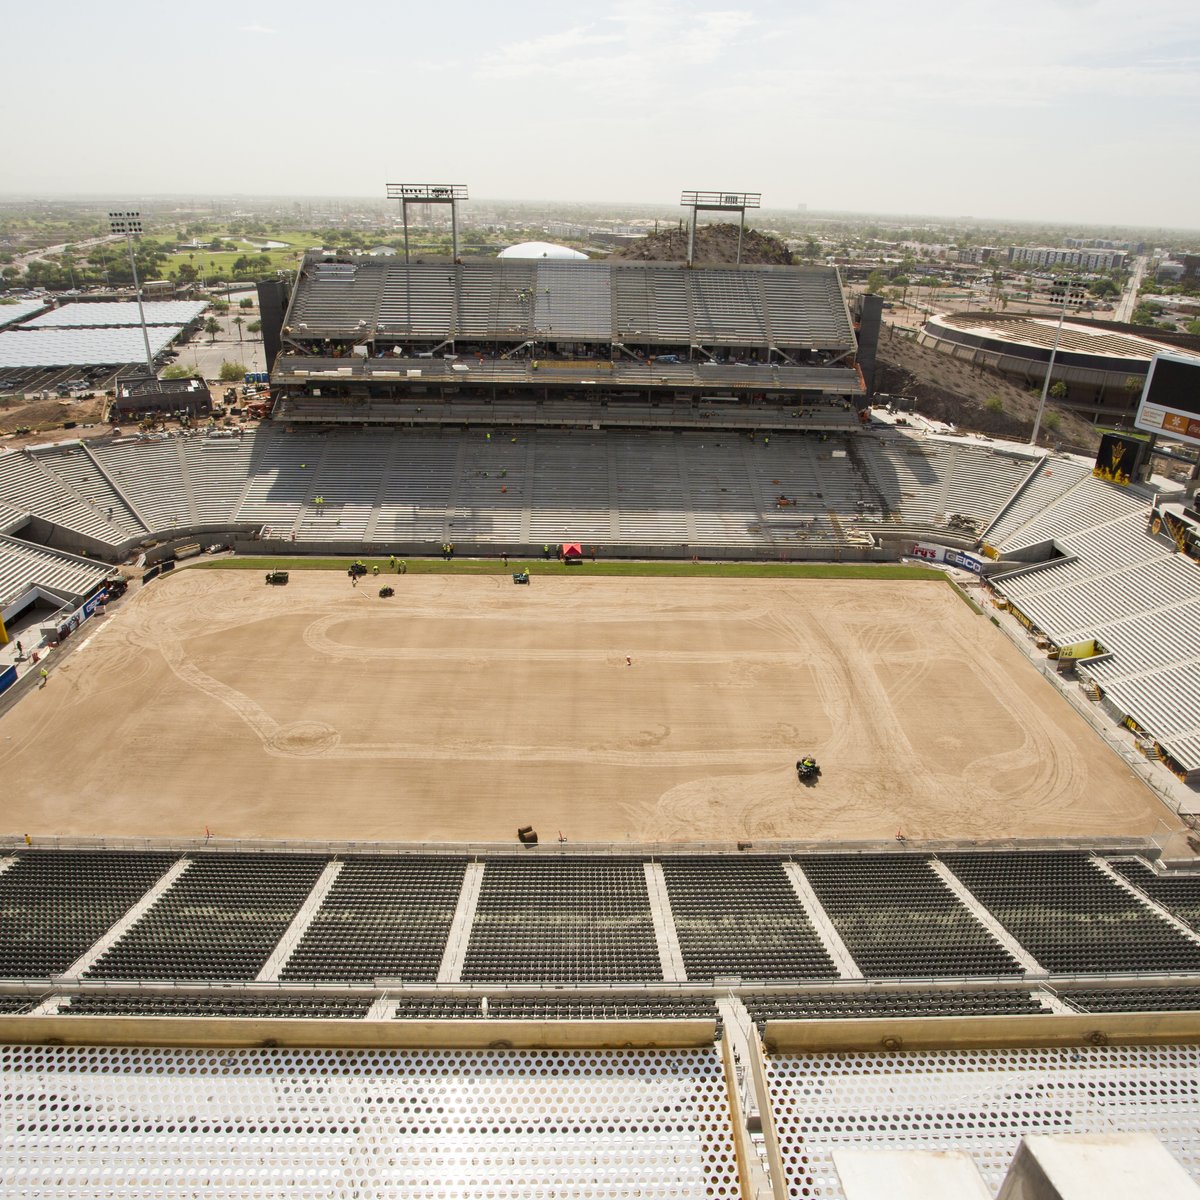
(807, 770)
(385, 592)
(277, 577)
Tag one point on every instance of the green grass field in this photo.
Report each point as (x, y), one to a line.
(212, 265)
(551, 566)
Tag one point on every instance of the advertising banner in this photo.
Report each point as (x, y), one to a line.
(927, 552)
(965, 560)
(1118, 459)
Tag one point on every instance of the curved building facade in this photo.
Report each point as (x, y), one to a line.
(1103, 364)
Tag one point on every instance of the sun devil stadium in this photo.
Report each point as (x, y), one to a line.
(749, 1018)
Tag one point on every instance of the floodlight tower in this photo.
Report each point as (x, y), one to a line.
(1062, 313)
(429, 193)
(130, 224)
(736, 202)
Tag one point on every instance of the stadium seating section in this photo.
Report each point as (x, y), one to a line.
(741, 917)
(383, 918)
(219, 920)
(570, 920)
(554, 935)
(849, 1004)
(54, 905)
(1072, 917)
(897, 918)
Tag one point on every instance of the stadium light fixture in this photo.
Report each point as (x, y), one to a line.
(129, 224)
(429, 193)
(712, 201)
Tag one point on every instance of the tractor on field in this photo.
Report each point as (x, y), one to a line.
(277, 577)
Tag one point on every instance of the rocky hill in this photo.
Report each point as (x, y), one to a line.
(973, 399)
(716, 243)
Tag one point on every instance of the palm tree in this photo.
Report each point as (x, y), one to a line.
(212, 327)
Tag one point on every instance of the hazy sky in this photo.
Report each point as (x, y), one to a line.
(1072, 110)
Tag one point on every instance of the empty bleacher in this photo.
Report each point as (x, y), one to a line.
(75, 466)
(54, 905)
(899, 919)
(215, 1004)
(1141, 999)
(741, 917)
(644, 488)
(219, 920)
(505, 1006)
(849, 1004)
(1070, 916)
(24, 563)
(27, 484)
(569, 920)
(384, 917)
(1178, 893)
(153, 475)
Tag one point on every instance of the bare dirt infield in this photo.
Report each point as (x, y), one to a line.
(464, 707)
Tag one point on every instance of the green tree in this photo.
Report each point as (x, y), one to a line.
(232, 372)
(1193, 327)
(212, 327)
(254, 327)
(245, 302)
(179, 371)
(876, 282)
(1059, 390)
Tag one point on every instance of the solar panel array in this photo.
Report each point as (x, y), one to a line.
(108, 315)
(81, 347)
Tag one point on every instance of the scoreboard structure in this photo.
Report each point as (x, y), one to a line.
(1170, 404)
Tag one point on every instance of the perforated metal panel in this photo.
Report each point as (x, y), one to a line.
(979, 1101)
(142, 1123)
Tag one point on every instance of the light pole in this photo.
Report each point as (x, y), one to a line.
(1062, 313)
(130, 224)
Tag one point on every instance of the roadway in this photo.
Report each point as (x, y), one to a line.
(1124, 310)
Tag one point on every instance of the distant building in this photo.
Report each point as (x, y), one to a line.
(145, 397)
(978, 254)
(1183, 268)
(1066, 256)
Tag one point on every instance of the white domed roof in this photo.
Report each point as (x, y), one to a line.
(539, 250)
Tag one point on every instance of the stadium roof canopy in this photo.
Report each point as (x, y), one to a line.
(96, 316)
(364, 299)
(11, 313)
(81, 347)
(541, 250)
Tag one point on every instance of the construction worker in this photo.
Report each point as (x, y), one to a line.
(375, 569)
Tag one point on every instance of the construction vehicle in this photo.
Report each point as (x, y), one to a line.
(521, 577)
(807, 770)
(385, 592)
(277, 577)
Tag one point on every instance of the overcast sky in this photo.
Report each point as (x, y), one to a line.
(1070, 110)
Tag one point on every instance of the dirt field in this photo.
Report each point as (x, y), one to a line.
(465, 707)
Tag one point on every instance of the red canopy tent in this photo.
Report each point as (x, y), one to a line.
(572, 550)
